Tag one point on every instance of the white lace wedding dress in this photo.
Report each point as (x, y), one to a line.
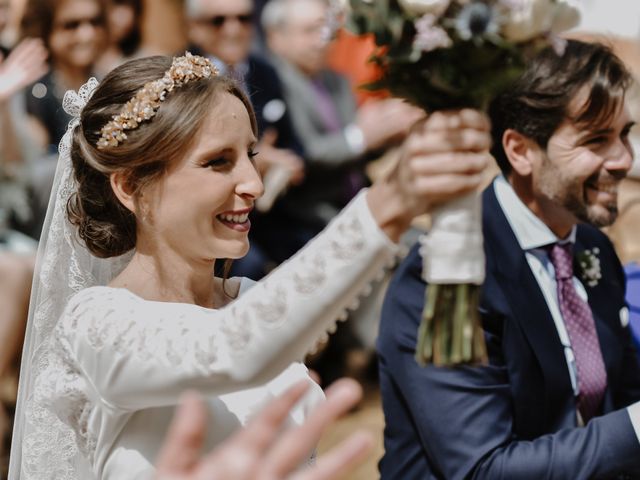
(119, 363)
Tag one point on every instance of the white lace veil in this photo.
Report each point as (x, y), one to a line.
(42, 445)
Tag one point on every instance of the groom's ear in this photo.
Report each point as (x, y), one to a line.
(520, 150)
(123, 191)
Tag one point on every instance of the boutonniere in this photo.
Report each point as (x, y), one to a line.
(589, 266)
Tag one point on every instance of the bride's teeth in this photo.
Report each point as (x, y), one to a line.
(235, 218)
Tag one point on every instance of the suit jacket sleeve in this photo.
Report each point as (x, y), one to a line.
(463, 417)
(628, 389)
(264, 87)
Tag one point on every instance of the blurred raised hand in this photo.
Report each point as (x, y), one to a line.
(271, 156)
(279, 167)
(261, 450)
(26, 63)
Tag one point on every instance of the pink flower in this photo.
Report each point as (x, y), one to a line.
(558, 44)
(430, 36)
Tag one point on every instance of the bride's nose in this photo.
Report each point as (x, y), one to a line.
(249, 182)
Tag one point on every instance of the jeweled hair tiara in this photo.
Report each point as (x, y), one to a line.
(144, 105)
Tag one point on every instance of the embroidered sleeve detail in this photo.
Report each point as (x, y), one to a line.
(141, 354)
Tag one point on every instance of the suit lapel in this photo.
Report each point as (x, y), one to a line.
(508, 263)
(304, 92)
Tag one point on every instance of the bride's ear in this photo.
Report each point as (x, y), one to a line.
(123, 191)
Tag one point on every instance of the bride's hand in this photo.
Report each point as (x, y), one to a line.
(442, 158)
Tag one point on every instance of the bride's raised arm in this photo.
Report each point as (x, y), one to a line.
(140, 354)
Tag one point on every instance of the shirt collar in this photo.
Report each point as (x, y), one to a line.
(530, 231)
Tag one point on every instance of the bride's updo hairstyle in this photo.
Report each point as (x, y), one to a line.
(143, 156)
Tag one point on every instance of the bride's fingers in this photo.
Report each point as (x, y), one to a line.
(442, 188)
(183, 444)
(448, 163)
(454, 140)
(457, 119)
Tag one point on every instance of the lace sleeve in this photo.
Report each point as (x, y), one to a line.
(140, 354)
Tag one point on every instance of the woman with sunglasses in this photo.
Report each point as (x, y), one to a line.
(124, 19)
(74, 32)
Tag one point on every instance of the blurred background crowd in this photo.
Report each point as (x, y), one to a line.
(322, 137)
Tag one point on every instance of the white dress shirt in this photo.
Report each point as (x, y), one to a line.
(533, 235)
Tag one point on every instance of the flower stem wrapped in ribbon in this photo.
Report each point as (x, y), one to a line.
(444, 55)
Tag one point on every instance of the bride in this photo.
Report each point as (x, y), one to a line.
(155, 183)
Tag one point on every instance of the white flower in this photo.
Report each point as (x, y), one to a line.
(343, 6)
(590, 266)
(567, 16)
(423, 7)
(527, 19)
(558, 44)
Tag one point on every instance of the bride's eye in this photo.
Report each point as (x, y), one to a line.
(252, 153)
(217, 162)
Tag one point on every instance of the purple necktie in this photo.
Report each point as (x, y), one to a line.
(592, 376)
(328, 111)
(326, 108)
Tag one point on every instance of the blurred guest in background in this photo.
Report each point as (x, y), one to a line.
(124, 25)
(74, 32)
(338, 139)
(18, 68)
(16, 271)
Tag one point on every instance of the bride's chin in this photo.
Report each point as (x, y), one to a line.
(237, 254)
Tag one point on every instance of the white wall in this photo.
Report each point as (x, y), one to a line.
(617, 17)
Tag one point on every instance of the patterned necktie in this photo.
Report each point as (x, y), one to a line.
(578, 319)
(326, 108)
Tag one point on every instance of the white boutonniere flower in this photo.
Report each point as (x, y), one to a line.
(590, 266)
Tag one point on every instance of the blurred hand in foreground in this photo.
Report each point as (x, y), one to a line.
(261, 451)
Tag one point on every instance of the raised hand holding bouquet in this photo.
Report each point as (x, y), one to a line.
(446, 55)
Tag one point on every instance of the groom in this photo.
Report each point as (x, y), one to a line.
(556, 399)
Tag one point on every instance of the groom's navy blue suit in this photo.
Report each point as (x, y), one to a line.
(515, 418)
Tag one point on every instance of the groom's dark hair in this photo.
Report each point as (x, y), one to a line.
(539, 101)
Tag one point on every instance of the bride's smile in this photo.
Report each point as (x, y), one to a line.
(199, 208)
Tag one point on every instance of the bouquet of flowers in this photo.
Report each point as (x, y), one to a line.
(451, 54)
